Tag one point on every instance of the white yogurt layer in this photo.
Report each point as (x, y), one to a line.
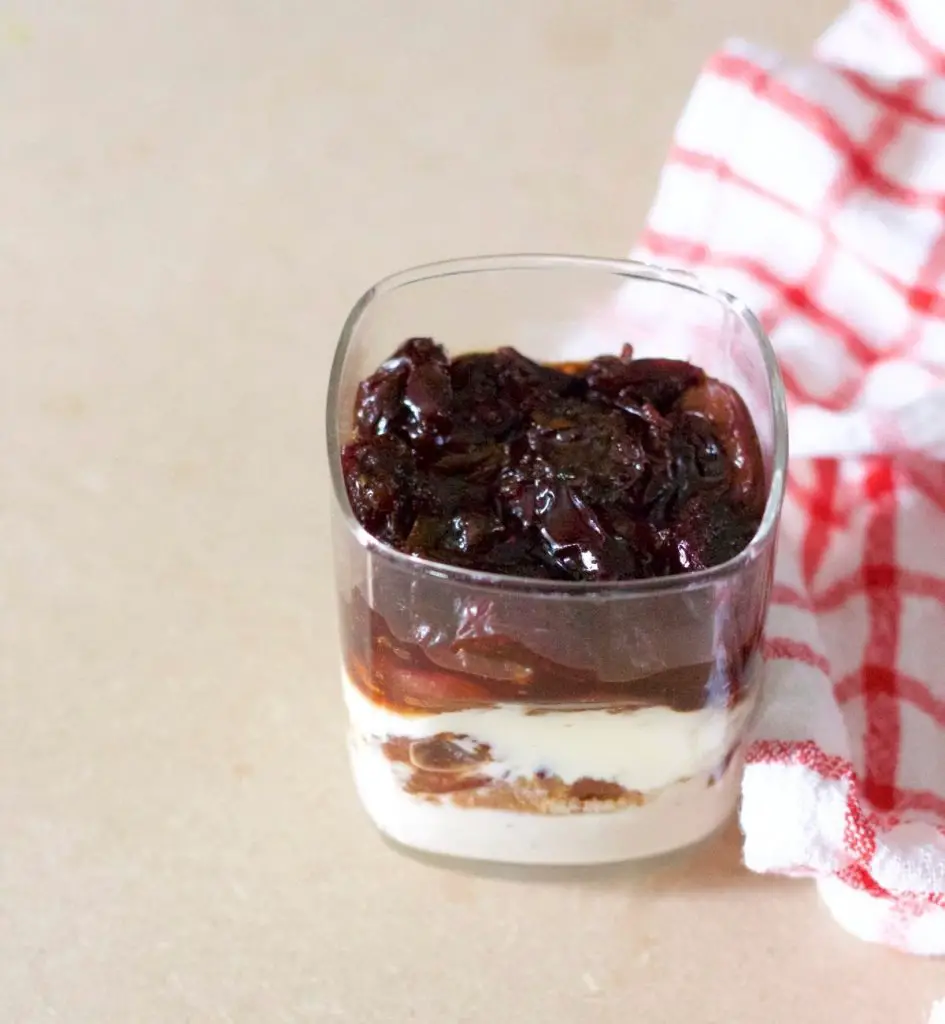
(646, 749)
(678, 816)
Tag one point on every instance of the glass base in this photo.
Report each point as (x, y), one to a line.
(677, 817)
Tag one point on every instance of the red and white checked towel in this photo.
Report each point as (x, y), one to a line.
(816, 192)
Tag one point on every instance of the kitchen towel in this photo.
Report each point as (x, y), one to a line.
(815, 191)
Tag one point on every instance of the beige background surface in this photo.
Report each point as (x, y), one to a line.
(191, 195)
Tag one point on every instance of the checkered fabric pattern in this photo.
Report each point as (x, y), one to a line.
(816, 192)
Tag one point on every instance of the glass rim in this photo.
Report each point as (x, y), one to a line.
(631, 269)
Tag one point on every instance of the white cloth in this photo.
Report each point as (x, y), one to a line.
(815, 191)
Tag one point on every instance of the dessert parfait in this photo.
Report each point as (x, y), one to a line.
(552, 595)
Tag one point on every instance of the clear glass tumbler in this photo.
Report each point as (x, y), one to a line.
(534, 721)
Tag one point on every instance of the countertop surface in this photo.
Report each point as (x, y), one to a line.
(192, 194)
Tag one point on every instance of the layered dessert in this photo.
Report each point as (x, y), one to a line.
(525, 679)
